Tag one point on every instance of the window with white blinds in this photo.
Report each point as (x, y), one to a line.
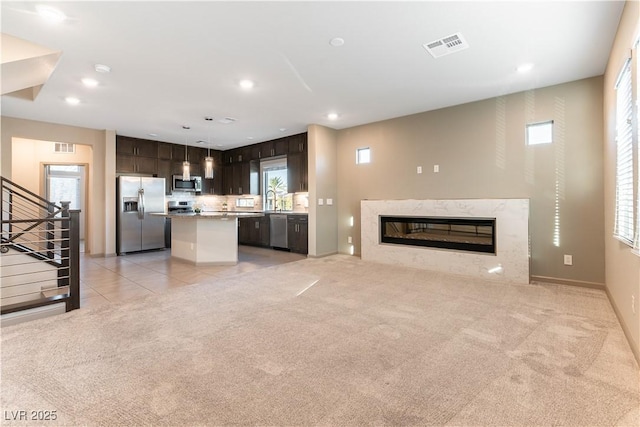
(624, 216)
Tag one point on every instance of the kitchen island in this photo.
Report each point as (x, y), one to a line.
(208, 238)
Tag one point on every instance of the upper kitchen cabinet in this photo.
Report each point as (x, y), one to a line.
(280, 146)
(262, 150)
(165, 151)
(136, 147)
(233, 156)
(297, 175)
(298, 143)
(178, 152)
(135, 155)
(213, 185)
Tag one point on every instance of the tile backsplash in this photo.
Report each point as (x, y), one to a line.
(238, 203)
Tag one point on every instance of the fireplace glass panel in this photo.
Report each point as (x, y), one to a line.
(463, 234)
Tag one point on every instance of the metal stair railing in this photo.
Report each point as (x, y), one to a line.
(48, 234)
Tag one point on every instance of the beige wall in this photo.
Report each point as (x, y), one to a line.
(481, 153)
(101, 221)
(622, 266)
(322, 171)
(30, 174)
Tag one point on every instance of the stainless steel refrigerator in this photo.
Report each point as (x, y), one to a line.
(139, 197)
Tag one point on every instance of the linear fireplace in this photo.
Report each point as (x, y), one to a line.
(460, 234)
(509, 239)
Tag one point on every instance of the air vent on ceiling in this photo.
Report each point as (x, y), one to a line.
(63, 147)
(446, 45)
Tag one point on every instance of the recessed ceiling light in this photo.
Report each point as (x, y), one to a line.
(101, 68)
(336, 41)
(227, 120)
(249, 137)
(72, 100)
(201, 142)
(50, 14)
(219, 145)
(525, 68)
(90, 82)
(332, 116)
(153, 135)
(246, 84)
(283, 129)
(185, 127)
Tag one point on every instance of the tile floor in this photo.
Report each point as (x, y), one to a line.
(124, 278)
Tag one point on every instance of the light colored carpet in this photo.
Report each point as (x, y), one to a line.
(365, 344)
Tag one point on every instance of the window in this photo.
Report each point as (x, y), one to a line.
(274, 181)
(540, 133)
(363, 155)
(624, 208)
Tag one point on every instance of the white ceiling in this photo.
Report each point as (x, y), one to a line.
(173, 63)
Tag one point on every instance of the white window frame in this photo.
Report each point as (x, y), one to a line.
(359, 159)
(531, 126)
(626, 193)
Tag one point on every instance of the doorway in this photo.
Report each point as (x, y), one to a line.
(67, 183)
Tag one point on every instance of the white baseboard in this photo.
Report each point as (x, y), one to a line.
(32, 314)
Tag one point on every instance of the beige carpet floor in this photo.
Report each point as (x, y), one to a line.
(331, 341)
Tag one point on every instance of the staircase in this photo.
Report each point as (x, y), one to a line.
(39, 253)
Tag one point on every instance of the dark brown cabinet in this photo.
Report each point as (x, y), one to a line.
(298, 233)
(241, 178)
(213, 185)
(297, 175)
(298, 143)
(136, 147)
(261, 151)
(254, 231)
(165, 151)
(280, 146)
(135, 155)
(165, 169)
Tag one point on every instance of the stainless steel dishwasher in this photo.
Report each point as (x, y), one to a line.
(278, 231)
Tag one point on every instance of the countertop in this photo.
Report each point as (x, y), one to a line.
(261, 212)
(212, 215)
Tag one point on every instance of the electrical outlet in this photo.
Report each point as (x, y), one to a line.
(436, 168)
(320, 202)
(568, 260)
(419, 170)
(633, 304)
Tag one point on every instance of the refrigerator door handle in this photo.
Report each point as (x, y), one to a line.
(141, 203)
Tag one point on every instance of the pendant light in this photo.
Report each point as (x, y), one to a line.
(186, 167)
(208, 161)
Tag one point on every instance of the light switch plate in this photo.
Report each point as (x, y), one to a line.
(329, 202)
(320, 202)
(419, 169)
(436, 168)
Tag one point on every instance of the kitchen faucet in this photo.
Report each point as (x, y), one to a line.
(275, 198)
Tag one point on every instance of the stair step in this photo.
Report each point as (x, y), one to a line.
(52, 292)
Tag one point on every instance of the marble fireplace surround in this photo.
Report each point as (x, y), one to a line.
(512, 237)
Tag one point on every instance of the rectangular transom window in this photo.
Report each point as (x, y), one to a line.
(363, 155)
(540, 133)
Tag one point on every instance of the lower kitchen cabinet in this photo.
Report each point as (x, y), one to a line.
(298, 233)
(254, 231)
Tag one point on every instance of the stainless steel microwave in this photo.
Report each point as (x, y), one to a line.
(193, 185)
